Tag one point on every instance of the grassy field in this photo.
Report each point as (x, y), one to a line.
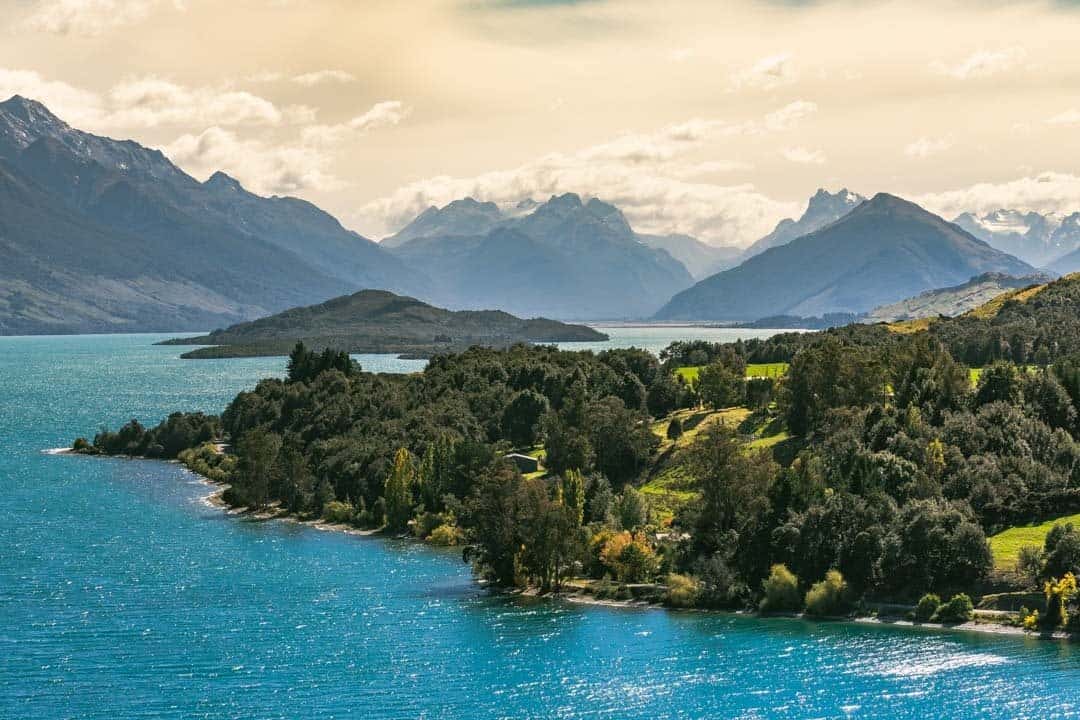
(690, 372)
(1006, 544)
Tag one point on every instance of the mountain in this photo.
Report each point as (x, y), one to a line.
(565, 258)
(885, 250)
(953, 301)
(700, 259)
(104, 235)
(461, 217)
(1034, 238)
(823, 208)
(375, 321)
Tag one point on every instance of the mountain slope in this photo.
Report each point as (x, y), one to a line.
(378, 321)
(207, 253)
(953, 301)
(566, 258)
(885, 250)
(460, 217)
(700, 260)
(823, 208)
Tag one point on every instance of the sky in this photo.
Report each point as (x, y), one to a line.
(714, 119)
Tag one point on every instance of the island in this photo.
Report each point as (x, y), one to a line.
(377, 321)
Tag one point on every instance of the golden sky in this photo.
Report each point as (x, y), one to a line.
(711, 118)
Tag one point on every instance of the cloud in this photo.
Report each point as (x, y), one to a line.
(1069, 117)
(790, 115)
(149, 102)
(70, 103)
(925, 147)
(1047, 192)
(321, 77)
(91, 17)
(766, 74)
(383, 114)
(644, 174)
(983, 63)
(803, 156)
(262, 167)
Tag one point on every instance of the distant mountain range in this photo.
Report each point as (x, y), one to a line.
(953, 301)
(823, 208)
(885, 250)
(101, 235)
(374, 321)
(565, 258)
(1040, 240)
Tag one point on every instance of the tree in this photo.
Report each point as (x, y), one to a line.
(620, 439)
(398, 491)
(1001, 382)
(1061, 551)
(674, 429)
(828, 597)
(521, 418)
(632, 509)
(573, 491)
(720, 386)
(781, 590)
(258, 450)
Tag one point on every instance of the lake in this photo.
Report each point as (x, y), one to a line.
(123, 595)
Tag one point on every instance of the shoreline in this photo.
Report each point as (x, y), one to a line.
(215, 500)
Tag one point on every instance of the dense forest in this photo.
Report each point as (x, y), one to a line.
(895, 467)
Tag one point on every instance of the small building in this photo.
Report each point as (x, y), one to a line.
(524, 463)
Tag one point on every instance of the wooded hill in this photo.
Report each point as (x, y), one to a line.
(375, 321)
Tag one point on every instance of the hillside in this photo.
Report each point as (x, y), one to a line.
(374, 321)
(952, 301)
(566, 258)
(104, 235)
(885, 250)
(700, 259)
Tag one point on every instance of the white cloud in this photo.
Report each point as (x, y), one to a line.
(803, 156)
(790, 115)
(383, 114)
(262, 167)
(925, 147)
(320, 77)
(1069, 118)
(767, 73)
(149, 102)
(91, 17)
(70, 103)
(983, 63)
(679, 55)
(1047, 192)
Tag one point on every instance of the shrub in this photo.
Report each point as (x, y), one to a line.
(928, 605)
(336, 511)
(683, 591)
(608, 590)
(674, 429)
(445, 535)
(1029, 619)
(82, 445)
(781, 590)
(828, 597)
(959, 609)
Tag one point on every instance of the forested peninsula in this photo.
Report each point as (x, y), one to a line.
(376, 321)
(823, 471)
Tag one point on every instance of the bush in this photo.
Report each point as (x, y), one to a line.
(336, 511)
(683, 591)
(674, 429)
(82, 445)
(959, 609)
(781, 590)
(928, 605)
(445, 535)
(608, 590)
(828, 597)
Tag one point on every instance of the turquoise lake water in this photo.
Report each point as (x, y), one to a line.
(122, 595)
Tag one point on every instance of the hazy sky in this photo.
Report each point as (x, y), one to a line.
(710, 118)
